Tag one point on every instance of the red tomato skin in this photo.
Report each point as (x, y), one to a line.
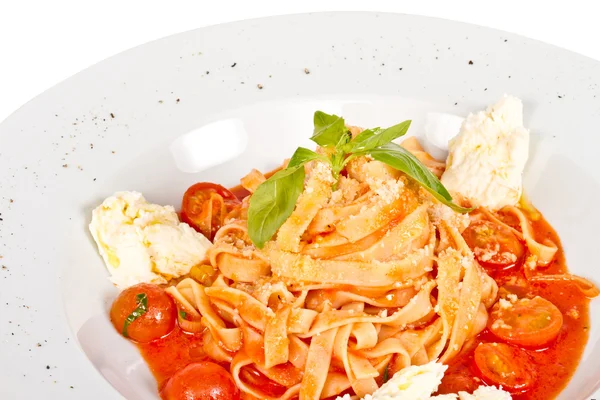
(194, 201)
(201, 381)
(159, 319)
(207, 187)
(519, 380)
(527, 336)
(482, 235)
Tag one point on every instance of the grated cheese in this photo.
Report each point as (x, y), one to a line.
(440, 212)
(573, 313)
(512, 297)
(322, 172)
(387, 190)
(499, 324)
(504, 304)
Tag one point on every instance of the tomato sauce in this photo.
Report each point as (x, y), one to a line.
(555, 364)
(171, 353)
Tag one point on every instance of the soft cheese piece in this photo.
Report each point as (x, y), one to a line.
(411, 383)
(144, 242)
(486, 393)
(486, 159)
(419, 382)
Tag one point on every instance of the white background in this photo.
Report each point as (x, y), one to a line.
(43, 42)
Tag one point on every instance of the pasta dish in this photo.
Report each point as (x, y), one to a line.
(346, 269)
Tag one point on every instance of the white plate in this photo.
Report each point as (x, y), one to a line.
(116, 126)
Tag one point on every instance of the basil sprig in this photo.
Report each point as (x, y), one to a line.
(275, 199)
(378, 137)
(142, 307)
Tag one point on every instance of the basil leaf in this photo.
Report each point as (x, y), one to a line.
(366, 134)
(303, 155)
(329, 129)
(381, 137)
(275, 199)
(273, 202)
(344, 140)
(142, 308)
(361, 137)
(386, 373)
(182, 314)
(403, 160)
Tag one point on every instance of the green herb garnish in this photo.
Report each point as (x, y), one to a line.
(182, 314)
(275, 199)
(142, 308)
(386, 373)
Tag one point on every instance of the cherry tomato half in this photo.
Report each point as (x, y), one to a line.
(205, 206)
(155, 313)
(504, 365)
(526, 322)
(495, 246)
(203, 380)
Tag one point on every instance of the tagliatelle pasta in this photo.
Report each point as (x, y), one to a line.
(369, 274)
(335, 305)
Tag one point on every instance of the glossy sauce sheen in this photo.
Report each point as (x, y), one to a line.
(554, 365)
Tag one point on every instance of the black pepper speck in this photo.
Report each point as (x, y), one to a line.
(470, 62)
(112, 115)
(233, 65)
